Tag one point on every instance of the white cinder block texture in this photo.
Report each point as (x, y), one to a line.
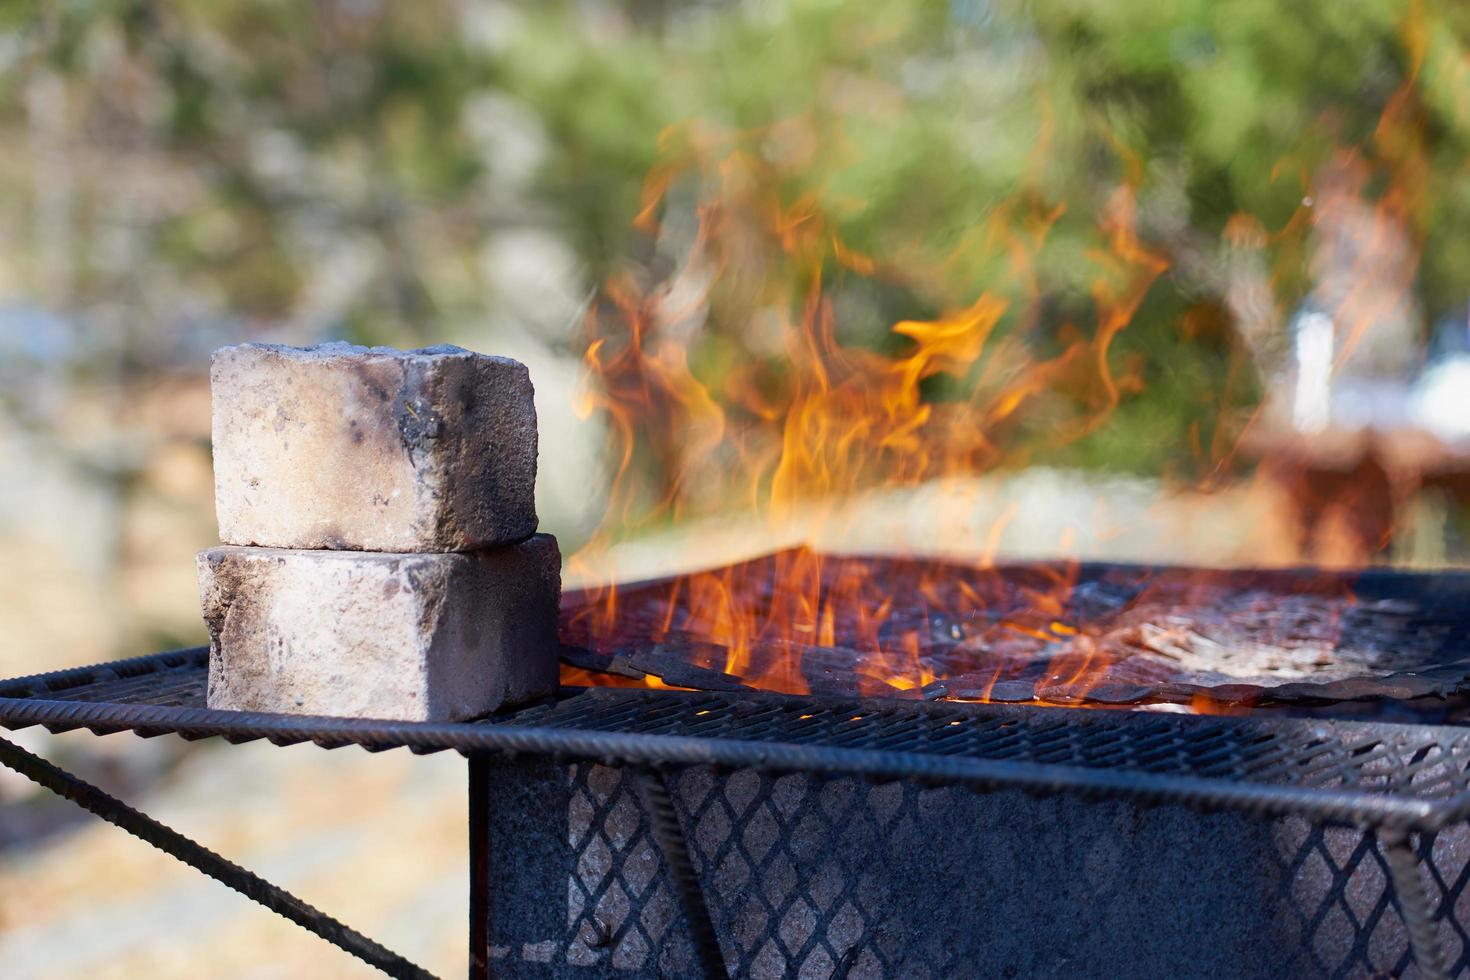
(411, 637)
(373, 449)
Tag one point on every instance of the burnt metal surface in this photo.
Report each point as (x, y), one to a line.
(1402, 777)
(1017, 633)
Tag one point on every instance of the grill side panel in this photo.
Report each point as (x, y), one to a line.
(813, 876)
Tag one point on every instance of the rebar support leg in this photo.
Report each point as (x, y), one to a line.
(199, 857)
(479, 867)
(1419, 921)
(675, 849)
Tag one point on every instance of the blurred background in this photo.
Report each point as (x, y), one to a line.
(1170, 281)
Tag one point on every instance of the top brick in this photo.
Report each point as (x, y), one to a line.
(372, 449)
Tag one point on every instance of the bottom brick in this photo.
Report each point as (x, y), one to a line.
(411, 637)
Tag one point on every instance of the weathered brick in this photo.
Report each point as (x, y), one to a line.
(374, 449)
(414, 637)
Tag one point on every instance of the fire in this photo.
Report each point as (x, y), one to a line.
(836, 419)
(809, 420)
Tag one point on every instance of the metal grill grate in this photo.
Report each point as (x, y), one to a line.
(176, 678)
(1319, 755)
(1369, 774)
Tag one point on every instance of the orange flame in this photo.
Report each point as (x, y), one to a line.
(795, 435)
(782, 415)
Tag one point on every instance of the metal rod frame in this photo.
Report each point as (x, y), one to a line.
(199, 857)
(675, 850)
(1420, 921)
(479, 792)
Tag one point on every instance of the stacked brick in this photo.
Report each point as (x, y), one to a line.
(380, 560)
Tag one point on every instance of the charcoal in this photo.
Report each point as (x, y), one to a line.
(1129, 636)
(676, 651)
(687, 675)
(1119, 693)
(1062, 694)
(966, 687)
(1013, 691)
(831, 683)
(1094, 600)
(945, 631)
(1235, 693)
(1292, 693)
(602, 662)
(831, 659)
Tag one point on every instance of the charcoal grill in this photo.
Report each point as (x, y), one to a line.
(633, 832)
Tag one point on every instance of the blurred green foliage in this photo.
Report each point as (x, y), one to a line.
(254, 149)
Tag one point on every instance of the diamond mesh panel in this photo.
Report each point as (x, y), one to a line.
(818, 877)
(620, 908)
